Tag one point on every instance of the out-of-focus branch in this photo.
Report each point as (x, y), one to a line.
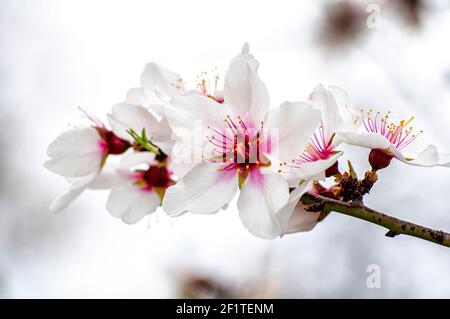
(394, 225)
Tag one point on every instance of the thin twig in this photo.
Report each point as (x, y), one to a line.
(394, 225)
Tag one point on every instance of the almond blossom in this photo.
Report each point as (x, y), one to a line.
(240, 138)
(143, 182)
(79, 155)
(144, 109)
(388, 139)
(319, 160)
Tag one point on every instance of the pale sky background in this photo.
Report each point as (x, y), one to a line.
(58, 55)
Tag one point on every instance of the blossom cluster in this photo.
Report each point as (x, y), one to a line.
(193, 149)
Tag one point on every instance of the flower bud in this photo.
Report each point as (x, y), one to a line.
(379, 159)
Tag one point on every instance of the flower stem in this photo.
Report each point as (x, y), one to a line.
(394, 225)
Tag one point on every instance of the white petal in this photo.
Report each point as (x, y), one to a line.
(295, 123)
(78, 185)
(188, 112)
(244, 91)
(131, 203)
(427, 158)
(324, 101)
(75, 165)
(75, 153)
(181, 169)
(189, 117)
(61, 202)
(444, 159)
(350, 119)
(136, 96)
(129, 116)
(75, 142)
(203, 190)
(136, 158)
(293, 217)
(108, 178)
(155, 75)
(364, 139)
(182, 159)
(311, 170)
(163, 137)
(262, 195)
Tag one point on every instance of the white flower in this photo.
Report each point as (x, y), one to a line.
(144, 109)
(79, 155)
(154, 79)
(240, 138)
(143, 184)
(319, 159)
(78, 152)
(387, 140)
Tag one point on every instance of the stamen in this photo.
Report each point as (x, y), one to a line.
(397, 134)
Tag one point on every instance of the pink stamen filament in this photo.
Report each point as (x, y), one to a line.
(240, 150)
(318, 148)
(397, 134)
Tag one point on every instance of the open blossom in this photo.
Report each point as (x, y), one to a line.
(143, 182)
(79, 155)
(319, 159)
(144, 109)
(155, 76)
(240, 138)
(388, 139)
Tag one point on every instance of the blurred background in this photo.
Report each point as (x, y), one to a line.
(57, 55)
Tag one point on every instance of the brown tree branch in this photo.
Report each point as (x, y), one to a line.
(394, 225)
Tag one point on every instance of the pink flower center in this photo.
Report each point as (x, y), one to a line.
(319, 148)
(158, 176)
(111, 143)
(400, 135)
(239, 145)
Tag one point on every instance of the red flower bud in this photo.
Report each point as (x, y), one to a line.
(379, 159)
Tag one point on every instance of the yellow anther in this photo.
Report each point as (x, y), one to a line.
(409, 121)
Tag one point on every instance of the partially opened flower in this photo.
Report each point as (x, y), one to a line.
(143, 182)
(83, 151)
(387, 140)
(155, 76)
(144, 109)
(126, 117)
(79, 155)
(239, 139)
(319, 159)
(293, 216)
